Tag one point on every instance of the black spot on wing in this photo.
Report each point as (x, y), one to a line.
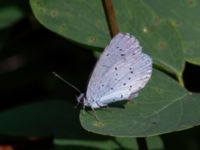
(130, 87)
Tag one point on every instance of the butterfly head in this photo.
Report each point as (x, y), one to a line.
(80, 98)
(83, 100)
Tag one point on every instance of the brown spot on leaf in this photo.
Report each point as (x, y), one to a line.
(92, 39)
(191, 2)
(54, 13)
(162, 45)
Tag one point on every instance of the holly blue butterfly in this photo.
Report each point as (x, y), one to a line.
(120, 73)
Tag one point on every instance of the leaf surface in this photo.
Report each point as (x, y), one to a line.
(159, 108)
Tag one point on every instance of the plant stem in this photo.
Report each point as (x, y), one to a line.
(110, 17)
(142, 145)
(114, 29)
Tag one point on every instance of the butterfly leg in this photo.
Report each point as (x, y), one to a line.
(84, 109)
(76, 106)
(132, 96)
(95, 115)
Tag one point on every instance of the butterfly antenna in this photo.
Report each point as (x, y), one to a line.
(71, 85)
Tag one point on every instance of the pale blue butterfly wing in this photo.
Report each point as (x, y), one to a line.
(120, 73)
(128, 79)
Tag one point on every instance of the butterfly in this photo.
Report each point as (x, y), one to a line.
(120, 73)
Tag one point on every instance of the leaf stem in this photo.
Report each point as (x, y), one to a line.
(180, 80)
(142, 145)
(110, 17)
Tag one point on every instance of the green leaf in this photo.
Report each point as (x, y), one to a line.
(109, 144)
(9, 15)
(46, 118)
(81, 21)
(159, 38)
(192, 53)
(160, 108)
(184, 16)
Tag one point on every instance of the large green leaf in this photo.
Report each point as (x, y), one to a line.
(109, 144)
(9, 15)
(85, 23)
(46, 118)
(184, 15)
(160, 108)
